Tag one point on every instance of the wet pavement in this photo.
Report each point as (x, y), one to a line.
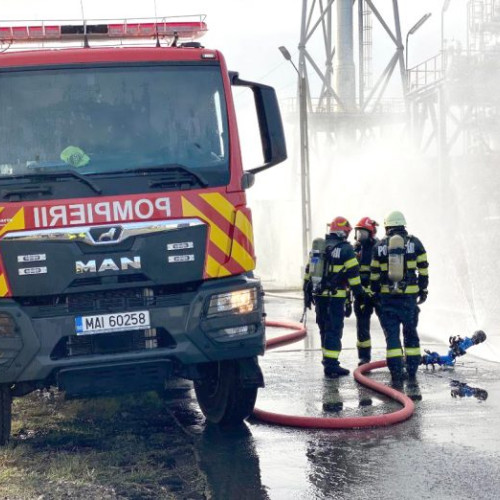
(449, 448)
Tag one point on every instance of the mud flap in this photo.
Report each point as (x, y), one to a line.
(250, 373)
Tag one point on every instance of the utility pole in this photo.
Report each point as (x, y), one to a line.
(305, 189)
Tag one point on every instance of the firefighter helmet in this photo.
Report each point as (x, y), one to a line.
(369, 224)
(340, 226)
(394, 219)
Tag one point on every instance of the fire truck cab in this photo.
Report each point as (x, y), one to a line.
(126, 244)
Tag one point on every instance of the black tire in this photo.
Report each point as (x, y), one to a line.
(221, 396)
(5, 413)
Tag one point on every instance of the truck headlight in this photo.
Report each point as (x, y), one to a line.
(238, 302)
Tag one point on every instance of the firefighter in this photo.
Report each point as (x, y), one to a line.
(340, 269)
(364, 235)
(398, 280)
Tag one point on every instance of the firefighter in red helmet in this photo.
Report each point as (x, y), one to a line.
(364, 235)
(339, 270)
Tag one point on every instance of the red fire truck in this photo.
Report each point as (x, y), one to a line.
(126, 244)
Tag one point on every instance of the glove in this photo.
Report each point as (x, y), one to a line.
(375, 300)
(362, 298)
(348, 309)
(422, 296)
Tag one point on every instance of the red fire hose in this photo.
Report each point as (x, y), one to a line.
(299, 332)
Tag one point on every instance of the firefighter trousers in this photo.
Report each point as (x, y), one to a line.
(396, 311)
(321, 308)
(330, 320)
(363, 312)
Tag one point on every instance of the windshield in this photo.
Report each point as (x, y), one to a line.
(110, 119)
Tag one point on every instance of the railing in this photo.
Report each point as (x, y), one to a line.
(427, 73)
(319, 106)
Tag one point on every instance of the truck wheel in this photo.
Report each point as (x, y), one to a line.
(221, 396)
(5, 413)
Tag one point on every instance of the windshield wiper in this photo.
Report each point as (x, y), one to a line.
(172, 168)
(60, 173)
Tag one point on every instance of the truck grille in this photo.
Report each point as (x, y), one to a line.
(112, 343)
(110, 301)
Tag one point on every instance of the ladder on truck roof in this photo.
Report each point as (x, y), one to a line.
(53, 33)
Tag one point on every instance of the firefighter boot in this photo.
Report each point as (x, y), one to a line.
(395, 366)
(412, 364)
(413, 390)
(364, 355)
(334, 370)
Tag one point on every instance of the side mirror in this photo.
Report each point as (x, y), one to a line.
(248, 180)
(272, 135)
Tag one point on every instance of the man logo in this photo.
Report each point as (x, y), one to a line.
(109, 236)
(106, 234)
(93, 266)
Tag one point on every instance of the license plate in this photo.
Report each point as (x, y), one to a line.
(117, 322)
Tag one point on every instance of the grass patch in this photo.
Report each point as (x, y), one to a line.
(123, 447)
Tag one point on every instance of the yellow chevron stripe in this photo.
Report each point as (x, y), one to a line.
(214, 269)
(223, 272)
(221, 204)
(244, 225)
(242, 257)
(4, 289)
(217, 236)
(211, 267)
(17, 222)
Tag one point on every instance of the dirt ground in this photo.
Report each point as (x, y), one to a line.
(127, 447)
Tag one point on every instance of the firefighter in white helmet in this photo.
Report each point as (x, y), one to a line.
(398, 279)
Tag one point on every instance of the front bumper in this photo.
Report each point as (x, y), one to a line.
(45, 342)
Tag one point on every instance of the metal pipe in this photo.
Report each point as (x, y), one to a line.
(361, 63)
(446, 4)
(345, 74)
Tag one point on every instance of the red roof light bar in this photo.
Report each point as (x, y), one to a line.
(182, 30)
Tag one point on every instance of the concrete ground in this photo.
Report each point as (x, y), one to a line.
(449, 448)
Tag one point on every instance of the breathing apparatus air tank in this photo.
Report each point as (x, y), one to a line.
(396, 261)
(317, 262)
